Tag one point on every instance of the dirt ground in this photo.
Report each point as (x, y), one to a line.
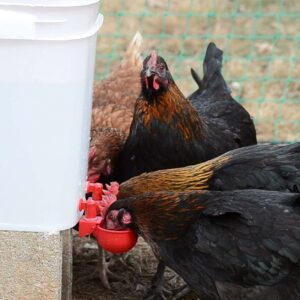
(264, 75)
(134, 280)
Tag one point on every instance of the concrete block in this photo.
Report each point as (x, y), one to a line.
(32, 265)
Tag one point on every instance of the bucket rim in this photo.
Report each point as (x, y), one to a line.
(49, 3)
(91, 32)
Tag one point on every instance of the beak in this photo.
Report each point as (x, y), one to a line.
(151, 70)
(148, 72)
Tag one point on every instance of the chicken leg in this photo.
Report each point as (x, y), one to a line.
(156, 291)
(102, 270)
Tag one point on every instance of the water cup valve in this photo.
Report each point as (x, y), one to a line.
(90, 220)
(96, 190)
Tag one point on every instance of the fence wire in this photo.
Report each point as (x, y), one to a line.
(260, 40)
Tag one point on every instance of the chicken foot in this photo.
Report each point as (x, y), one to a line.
(183, 291)
(102, 269)
(156, 290)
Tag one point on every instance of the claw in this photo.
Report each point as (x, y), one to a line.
(157, 295)
(183, 292)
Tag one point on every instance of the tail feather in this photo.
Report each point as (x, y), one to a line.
(133, 51)
(212, 67)
(197, 78)
(212, 62)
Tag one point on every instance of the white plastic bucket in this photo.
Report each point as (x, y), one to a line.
(46, 79)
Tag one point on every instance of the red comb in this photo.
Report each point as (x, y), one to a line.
(113, 188)
(106, 201)
(109, 196)
(153, 57)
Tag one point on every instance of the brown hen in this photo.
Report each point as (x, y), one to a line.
(113, 106)
(105, 146)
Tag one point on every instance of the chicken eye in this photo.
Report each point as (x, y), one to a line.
(161, 67)
(95, 160)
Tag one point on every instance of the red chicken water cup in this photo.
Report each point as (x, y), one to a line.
(115, 241)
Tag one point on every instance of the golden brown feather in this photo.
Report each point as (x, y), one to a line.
(190, 178)
(123, 84)
(268, 167)
(112, 115)
(168, 106)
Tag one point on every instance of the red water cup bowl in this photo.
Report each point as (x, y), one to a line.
(115, 241)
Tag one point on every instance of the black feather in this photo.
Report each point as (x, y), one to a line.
(268, 167)
(214, 103)
(245, 245)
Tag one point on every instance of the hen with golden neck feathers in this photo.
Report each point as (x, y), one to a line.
(166, 130)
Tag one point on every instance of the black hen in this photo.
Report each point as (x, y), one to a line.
(226, 245)
(167, 131)
(268, 167)
(213, 100)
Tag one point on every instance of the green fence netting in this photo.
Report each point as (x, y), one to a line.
(260, 39)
